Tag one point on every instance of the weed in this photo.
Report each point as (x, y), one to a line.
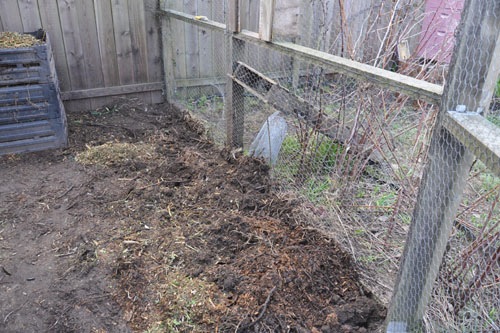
(359, 232)
(493, 316)
(326, 153)
(289, 166)
(206, 104)
(386, 199)
(368, 259)
(290, 146)
(405, 218)
(315, 189)
(476, 220)
(361, 193)
(203, 101)
(489, 182)
(316, 155)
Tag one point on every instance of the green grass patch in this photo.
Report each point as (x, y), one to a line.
(489, 182)
(205, 104)
(386, 199)
(405, 218)
(315, 189)
(319, 155)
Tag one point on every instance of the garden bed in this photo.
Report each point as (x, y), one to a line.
(143, 225)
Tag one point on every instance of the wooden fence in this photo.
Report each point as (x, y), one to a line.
(103, 48)
(109, 48)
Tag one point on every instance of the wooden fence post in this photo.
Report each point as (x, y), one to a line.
(475, 61)
(235, 110)
(266, 19)
(168, 53)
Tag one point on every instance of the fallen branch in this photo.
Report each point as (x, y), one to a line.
(261, 314)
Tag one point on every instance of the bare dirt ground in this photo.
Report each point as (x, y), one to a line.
(142, 225)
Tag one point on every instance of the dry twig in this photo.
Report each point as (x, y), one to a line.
(261, 314)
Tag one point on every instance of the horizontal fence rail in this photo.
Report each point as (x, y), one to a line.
(476, 133)
(390, 80)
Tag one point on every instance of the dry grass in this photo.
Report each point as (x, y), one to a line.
(116, 153)
(12, 40)
(186, 302)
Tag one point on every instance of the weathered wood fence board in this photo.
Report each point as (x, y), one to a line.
(107, 45)
(191, 42)
(49, 16)
(99, 46)
(29, 15)
(177, 48)
(206, 43)
(154, 52)
(11, 17)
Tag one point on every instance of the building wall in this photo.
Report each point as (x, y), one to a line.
(438, 29)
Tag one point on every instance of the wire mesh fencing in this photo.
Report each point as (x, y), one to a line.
(356, 153)
(468, 290)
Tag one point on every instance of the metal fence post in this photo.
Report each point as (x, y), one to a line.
(473, 72)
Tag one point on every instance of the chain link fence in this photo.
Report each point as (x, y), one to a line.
(353, 151)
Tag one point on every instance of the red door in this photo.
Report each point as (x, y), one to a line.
(438, 29)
